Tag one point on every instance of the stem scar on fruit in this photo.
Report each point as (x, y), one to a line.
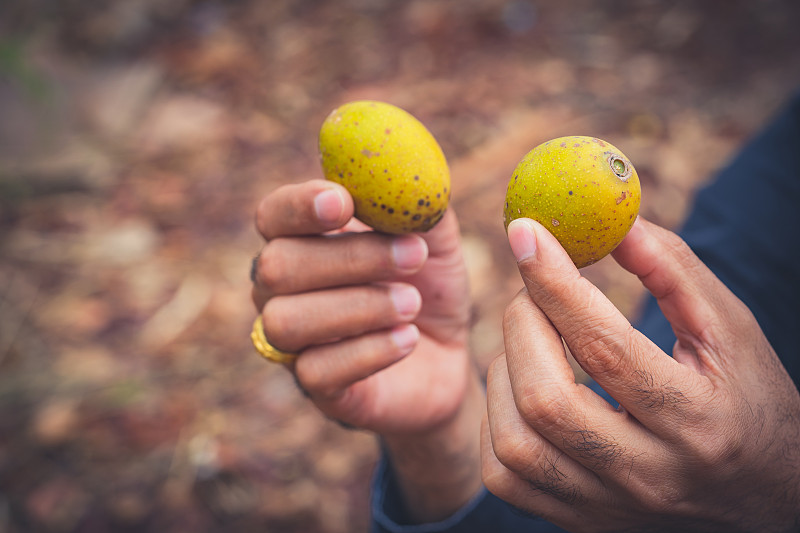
(619, 166)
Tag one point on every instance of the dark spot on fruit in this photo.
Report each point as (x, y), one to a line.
(421, 202)
(391, 211)
(416, 217)
(405, 213)
(555, 222)
(416, 178)
(341, 174)
(570, 193)
(621, 198)
(427, 204)
(438, 195)
(383, 206)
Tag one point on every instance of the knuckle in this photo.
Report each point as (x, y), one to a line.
(660, 498)
(513, 450)
(544, 408)
(497, 480)
(602, 354)
(310, 376)
(278, 325)
(271, 269)
(716, 450)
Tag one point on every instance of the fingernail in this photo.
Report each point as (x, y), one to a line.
(409, 252)
(407, 300)
(329, 205)
(405, 337)
(522, 238)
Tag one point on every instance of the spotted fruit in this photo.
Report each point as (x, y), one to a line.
(389, 162)
(584, 190)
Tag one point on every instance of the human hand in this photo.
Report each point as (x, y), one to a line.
(379, 321)
(704, 441)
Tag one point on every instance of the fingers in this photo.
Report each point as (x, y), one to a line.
(622, 360)
(287, 266)
(511, 488)
(292, 323)
(307, 208)
(695, 302)
(546, 398)
(326, 371)
(525, 452)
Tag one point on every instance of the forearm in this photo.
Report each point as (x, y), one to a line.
(439, 471)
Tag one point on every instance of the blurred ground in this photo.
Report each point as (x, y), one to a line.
(136, 138)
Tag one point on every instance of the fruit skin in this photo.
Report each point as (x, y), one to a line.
(584, 190)
(389, 162)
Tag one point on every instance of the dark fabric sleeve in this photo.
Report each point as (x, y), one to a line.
(486, 512)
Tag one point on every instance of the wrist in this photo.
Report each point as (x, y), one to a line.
(438, 470)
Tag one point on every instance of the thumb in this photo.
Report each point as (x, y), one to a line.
(700, 308)
(444, 239)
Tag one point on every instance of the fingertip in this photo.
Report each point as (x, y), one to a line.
(522, 238)
(330, 205)
(405, 337)
(406, 300)
(409, 252)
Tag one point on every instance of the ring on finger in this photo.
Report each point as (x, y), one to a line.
(267, 350)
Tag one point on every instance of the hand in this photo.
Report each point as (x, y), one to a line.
(704, 441)
(380, 322)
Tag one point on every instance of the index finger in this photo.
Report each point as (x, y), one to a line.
(308, 208)
(622, 360)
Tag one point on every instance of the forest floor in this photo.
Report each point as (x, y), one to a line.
(136, 139)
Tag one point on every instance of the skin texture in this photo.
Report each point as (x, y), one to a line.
(380, 324)
(582, 189)
(389, 162)
(705, 441)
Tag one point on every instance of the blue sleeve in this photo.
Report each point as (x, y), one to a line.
(486, 512)
(745, 226)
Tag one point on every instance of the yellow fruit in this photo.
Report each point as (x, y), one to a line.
(582, 189)
(389, 162)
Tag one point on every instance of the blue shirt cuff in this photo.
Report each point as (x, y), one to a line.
(484, 512)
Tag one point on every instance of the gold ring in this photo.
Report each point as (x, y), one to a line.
(267, 350)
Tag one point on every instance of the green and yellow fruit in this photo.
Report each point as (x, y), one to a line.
(584, 190)
(389, 162)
